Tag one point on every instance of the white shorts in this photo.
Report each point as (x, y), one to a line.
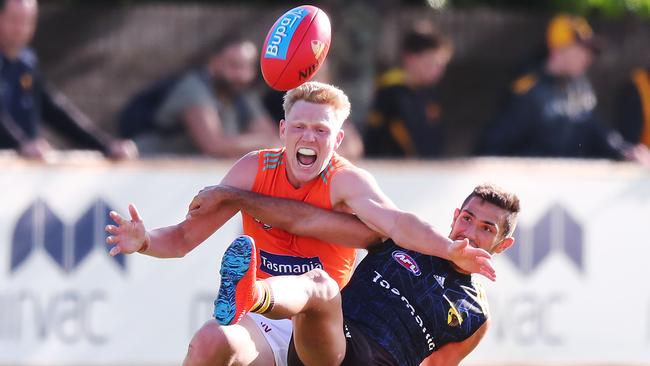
(277, 333)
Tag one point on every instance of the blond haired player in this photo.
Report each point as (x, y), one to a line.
(306, 169)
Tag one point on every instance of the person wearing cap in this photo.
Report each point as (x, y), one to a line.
(405, 119)
(552, 110)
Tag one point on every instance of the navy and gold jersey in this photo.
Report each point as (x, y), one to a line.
(412, 304)
(404, 121)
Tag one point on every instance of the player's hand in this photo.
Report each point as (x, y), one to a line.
(207, 201)
(473, 260)
(128, 236)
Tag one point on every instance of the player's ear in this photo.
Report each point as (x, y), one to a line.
(504, 244)
(456, 213)
(283, 128)
(339, 138)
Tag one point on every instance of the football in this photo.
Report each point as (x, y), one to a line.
(295, 47)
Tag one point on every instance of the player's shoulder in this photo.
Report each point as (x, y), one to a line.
(269, 153)
(338, 162)
(251, 161)
(242, 174)
(350, 176)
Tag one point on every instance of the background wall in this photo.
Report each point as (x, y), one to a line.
(572, 291)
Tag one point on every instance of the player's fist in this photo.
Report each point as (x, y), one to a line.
(208, 200)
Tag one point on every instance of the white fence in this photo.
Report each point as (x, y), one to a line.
(574, 289)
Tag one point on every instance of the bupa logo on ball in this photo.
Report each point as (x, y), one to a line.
(407, 262)
(282, 33)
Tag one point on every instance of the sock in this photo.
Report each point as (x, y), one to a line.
(263, 299)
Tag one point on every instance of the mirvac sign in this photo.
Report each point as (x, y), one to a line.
(41, 300)
(564, 285)
(532, 316)
(572, 290)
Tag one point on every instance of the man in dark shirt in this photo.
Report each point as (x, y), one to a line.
(26, 100)
(405, 117)
(401, 307)
(552, 110)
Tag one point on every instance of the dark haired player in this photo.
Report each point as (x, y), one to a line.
(400, 306)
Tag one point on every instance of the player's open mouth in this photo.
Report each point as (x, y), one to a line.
(306, 157)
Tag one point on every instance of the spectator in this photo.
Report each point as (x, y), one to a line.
(211, 110)
(26, 99)
(352, 145)
(634, 114)
(405, 119)
(552, 110)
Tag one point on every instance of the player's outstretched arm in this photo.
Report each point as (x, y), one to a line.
(296, 217)
(130, 236)
(177, 240)
(357, 189)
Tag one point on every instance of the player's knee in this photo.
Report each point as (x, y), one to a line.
(324, 288)
(209, 346)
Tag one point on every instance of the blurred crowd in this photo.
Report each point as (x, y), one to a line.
(215, 109)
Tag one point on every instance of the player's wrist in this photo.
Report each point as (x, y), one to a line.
(145, 243)
(229, 195)
(453, 254)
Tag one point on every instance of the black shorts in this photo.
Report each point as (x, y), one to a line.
(359, 350)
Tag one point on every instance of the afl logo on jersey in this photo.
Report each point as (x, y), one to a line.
(407, 262)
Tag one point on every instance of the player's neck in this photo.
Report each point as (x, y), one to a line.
(295, 183)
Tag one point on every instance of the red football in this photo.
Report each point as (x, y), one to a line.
(295, 47)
